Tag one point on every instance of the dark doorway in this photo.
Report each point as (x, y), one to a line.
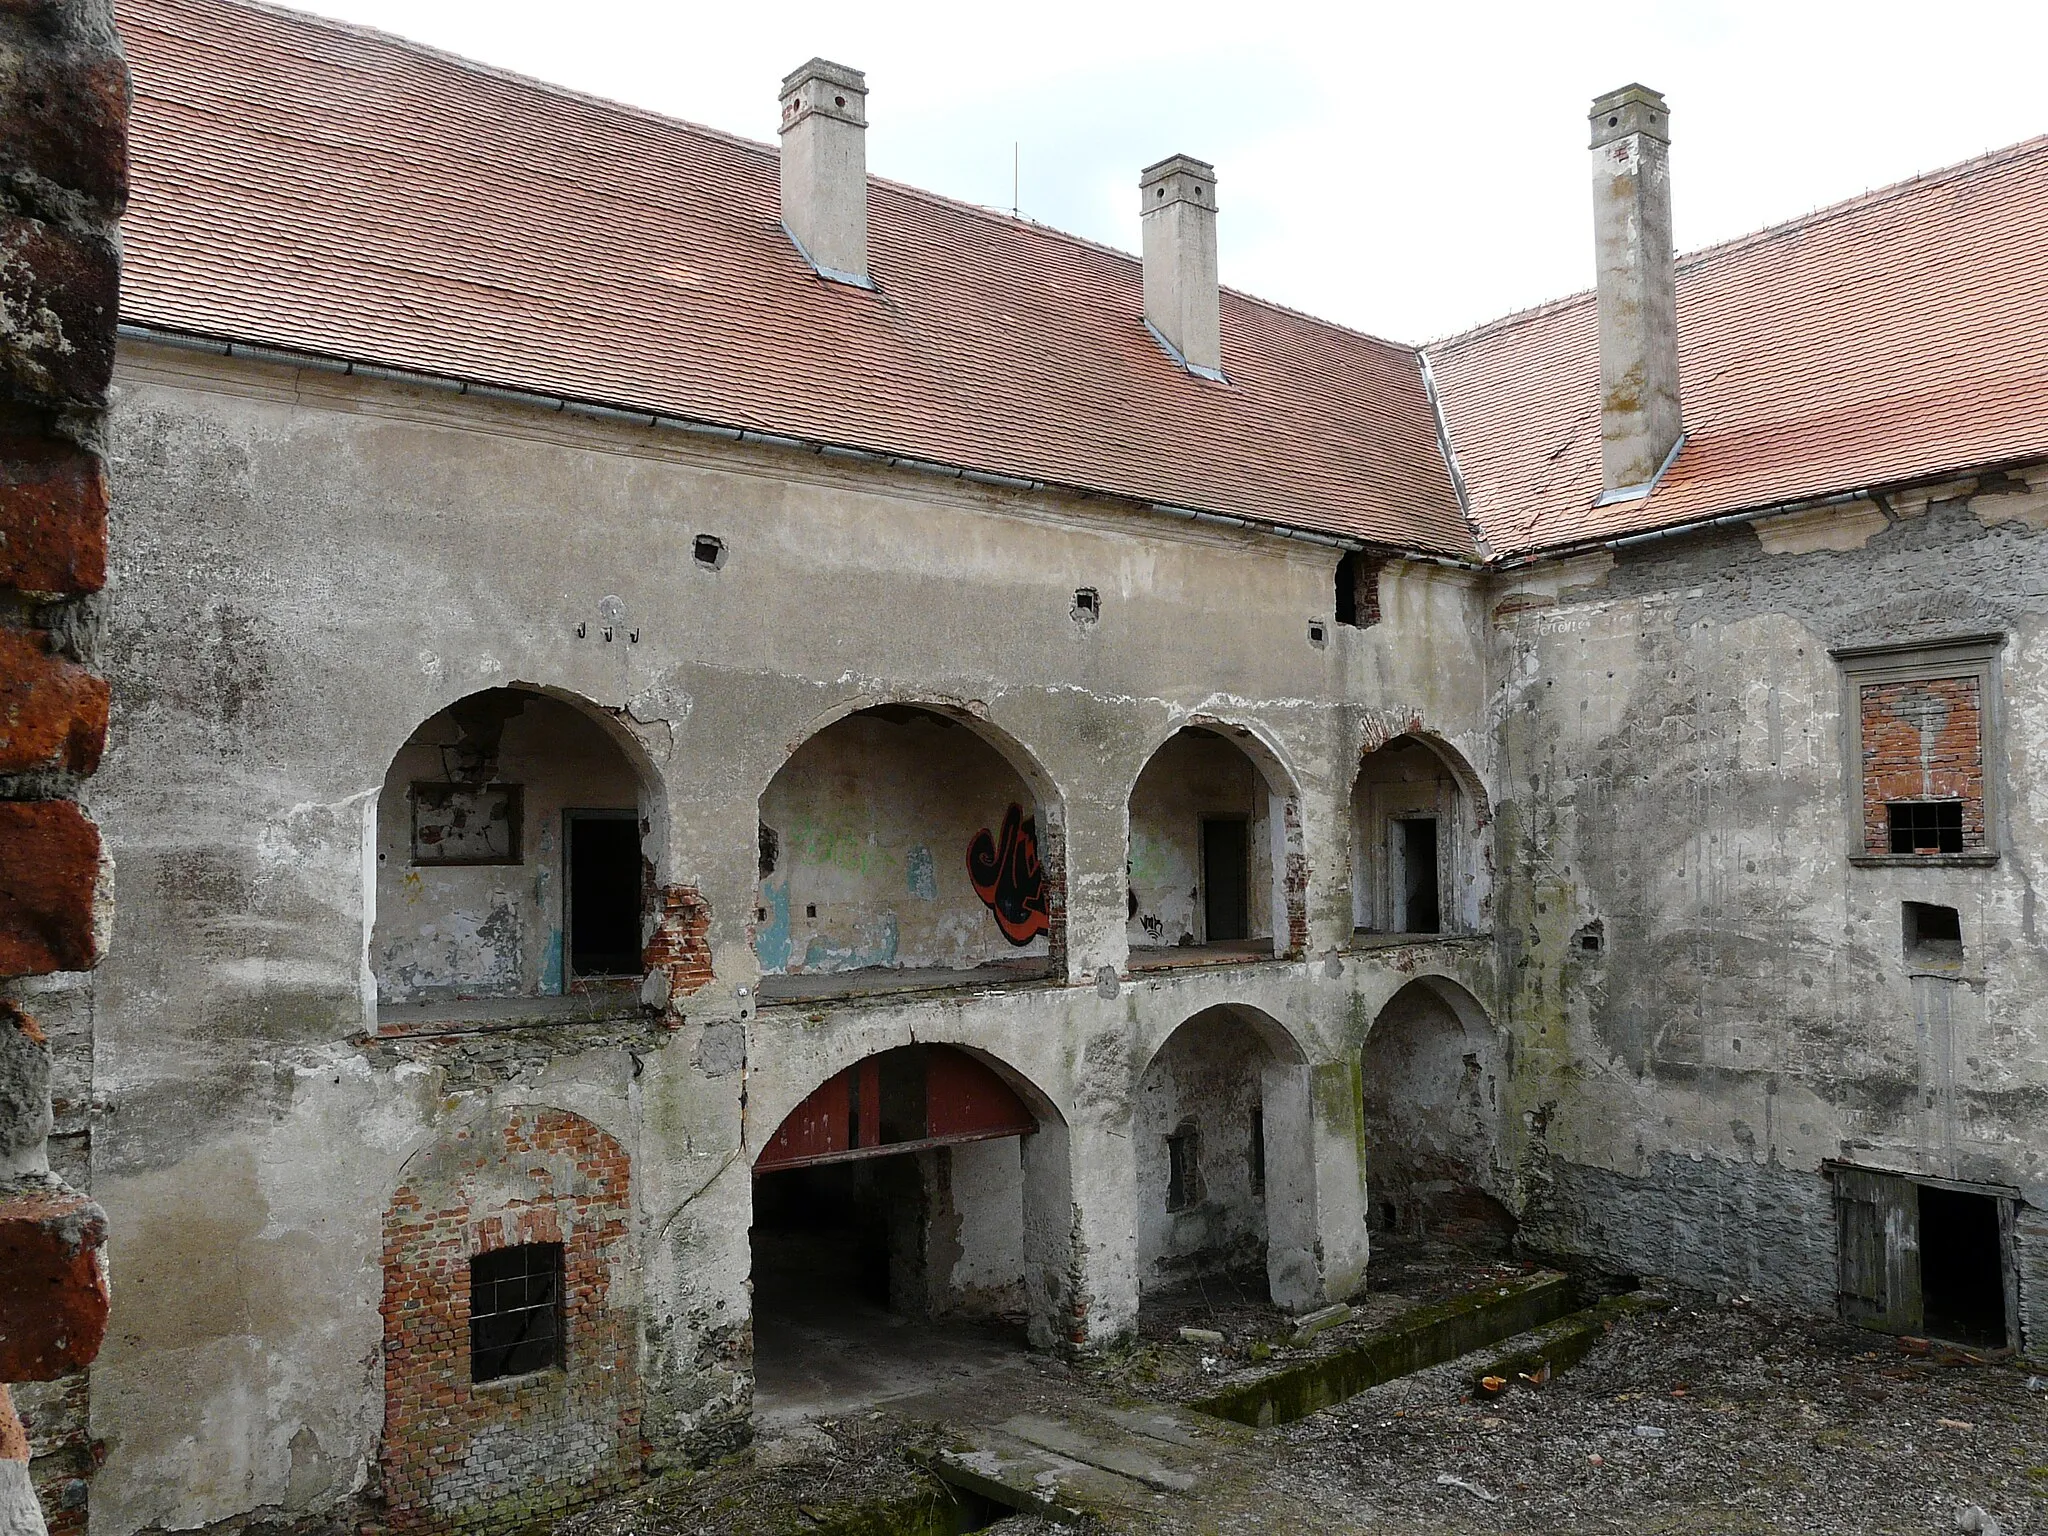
(1420, 909)
(1962, 1267)
(822, 1235)
(603, 916)
(1225, 875)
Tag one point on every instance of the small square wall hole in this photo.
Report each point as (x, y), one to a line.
(1317, 634)
(1933, 934)
(708, 551)
(1087, 605)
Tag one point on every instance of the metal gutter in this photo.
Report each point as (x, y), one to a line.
(1698, 525)
(193, 341)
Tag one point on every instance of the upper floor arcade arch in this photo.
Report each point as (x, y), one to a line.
(1215, 863)
(517, 852)
(1421, 863)
(906, 845)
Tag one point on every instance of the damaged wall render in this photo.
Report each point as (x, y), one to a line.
(264, 1123)
(1715, 995)
(577, 872)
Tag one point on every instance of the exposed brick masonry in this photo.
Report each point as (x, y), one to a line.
(681, 944)
(63, 183)
(510, 1453)
(1922, 740)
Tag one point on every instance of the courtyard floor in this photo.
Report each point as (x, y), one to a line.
(1717, 1415)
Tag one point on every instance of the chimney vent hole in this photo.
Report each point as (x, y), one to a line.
(708, 551)
(838, 101)
(1613, 120)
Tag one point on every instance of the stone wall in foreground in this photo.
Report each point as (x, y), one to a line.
(63, 181)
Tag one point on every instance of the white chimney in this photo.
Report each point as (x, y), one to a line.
(825, 168)
(1180, 260)
(1637, 284)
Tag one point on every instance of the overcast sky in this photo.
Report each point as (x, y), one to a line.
(1409, 170)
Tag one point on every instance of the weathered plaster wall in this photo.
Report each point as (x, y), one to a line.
(1673, 730)
(1197, 774)
(871, 820)
(980, 1228)
(489, 930)
(1434, 1083)
(1206, 1077)
(309, 567)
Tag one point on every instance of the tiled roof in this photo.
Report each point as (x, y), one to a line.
(1899, 335)
(311, 185)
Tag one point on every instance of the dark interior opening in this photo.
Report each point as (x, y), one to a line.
(1183, 1167)
(824, 1236)
(604, 894)
(1420, 909)
(1962, 1267)
(515, 1311)
(1225, 879)
(1347, 588)
(1933, 935)
(1257, 1151)
(1925, 826)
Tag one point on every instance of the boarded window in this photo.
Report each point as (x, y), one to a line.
(465, 823)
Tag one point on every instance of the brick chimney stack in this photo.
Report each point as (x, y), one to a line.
(825, 168)
(1180, 260)
(1637, 285)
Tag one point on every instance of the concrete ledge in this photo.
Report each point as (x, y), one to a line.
(1423, 1337)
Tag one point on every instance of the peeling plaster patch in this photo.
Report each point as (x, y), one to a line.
(2030, 508)
(919, 875)
(771, 938)
(1835, 528)
(875, 945)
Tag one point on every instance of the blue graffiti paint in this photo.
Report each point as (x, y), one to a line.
(859, 955)
(551, 965)
(771, 938)
(921, 875)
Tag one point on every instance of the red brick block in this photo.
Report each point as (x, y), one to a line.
(64, 112)
(53, 713)
(681, 944)
(59, 301)
(49, 867)
(53, 515)
(53, 1309)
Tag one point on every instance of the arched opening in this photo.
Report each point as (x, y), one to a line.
(1433, 1076)
(1221, 1133)
(1418, 850)
(513, 864)
(925, 1185)
(902, 850)
(1215, 867)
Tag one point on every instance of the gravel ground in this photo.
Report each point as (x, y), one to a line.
(1710, 1417)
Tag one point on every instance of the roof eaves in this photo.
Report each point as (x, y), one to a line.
(227, 346)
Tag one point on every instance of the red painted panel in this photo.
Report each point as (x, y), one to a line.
(815, 1129)
(963, 1097)
(964, 1101)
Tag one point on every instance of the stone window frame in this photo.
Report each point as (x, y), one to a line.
(1976, 656)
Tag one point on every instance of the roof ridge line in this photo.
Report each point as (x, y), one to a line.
(925, 194)
(1702, 255)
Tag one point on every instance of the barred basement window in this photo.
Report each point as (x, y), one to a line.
(515, 1311)
(1926, 826)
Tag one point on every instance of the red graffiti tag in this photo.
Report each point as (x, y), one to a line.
(1008, 877)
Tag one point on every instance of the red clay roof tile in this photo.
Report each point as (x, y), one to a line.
(308, 184)
(1900, 335)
